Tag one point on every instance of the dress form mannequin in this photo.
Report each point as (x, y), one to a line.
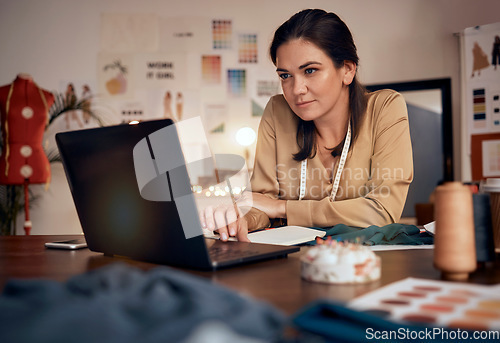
(24, 114)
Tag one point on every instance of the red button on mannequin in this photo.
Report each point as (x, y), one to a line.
(24, 113)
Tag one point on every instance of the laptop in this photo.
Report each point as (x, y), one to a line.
(117, 220)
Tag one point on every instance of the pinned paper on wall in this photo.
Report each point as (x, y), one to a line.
(79, 89)
(128, 33)
(268, 88)
(485, 155)
(236, 82)
(491, 158)
(222, 34)
(115, 75)
(185, 34)
(180, 66)
(481, 55)
(257, 110)
(211, 69)
(261, 89)
(172, 103)
(215, 117)
(132, 110)
(485, 109)
(160, 70)
(479, 108)
(247, 48)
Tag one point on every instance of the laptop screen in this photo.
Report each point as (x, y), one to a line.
(115, 218)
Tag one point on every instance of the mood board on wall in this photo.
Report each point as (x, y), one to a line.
(186, 67)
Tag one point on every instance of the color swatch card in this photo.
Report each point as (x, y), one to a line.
(222, 33)
(435, 303)
(236, 82)
(479, 108)
(211, 69)
(247, 49)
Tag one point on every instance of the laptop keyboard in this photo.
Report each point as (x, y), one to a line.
(223, 253)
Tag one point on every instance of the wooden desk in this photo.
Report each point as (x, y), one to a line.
(275, 281)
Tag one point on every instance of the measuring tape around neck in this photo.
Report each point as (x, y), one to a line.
(338, 174)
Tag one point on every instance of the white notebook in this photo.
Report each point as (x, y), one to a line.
(285, 235)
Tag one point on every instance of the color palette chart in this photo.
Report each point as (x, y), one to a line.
(247, 48)
(211, 69)
(479, 108)
(236, 82)
(222, 33)
(435, 303)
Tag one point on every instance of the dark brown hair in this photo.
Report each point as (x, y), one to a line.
(328, 32)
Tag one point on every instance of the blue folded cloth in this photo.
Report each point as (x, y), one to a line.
(119, 303)
(373, 235)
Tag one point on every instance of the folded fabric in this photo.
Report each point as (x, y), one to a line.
(333, 322)
(373, 235)
(118, 303)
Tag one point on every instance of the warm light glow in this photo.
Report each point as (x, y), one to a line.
(196, 189)
(216, 191)
(134, 122)
(245, 136)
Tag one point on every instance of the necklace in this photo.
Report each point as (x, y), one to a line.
(338, 174)
(27, 112)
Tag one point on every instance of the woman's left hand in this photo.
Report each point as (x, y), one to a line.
(274, 208)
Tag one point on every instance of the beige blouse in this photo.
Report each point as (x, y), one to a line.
(374, 182)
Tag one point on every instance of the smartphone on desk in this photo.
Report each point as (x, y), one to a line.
(71, 244)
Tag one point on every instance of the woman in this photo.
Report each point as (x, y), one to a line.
(327, 152)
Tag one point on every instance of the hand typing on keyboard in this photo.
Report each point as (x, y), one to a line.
(227, 220)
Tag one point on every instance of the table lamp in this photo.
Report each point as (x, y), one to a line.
(245, 137)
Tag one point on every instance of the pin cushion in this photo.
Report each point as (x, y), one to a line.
(340, 262)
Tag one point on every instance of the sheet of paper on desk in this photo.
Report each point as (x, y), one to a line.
(385, 247)
(431, 227)
(285, 235)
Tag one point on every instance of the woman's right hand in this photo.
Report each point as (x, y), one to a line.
(227, 220)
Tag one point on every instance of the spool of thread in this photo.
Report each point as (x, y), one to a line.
(485, 247)
(454, 240)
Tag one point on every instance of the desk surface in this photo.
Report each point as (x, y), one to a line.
(275, 281)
